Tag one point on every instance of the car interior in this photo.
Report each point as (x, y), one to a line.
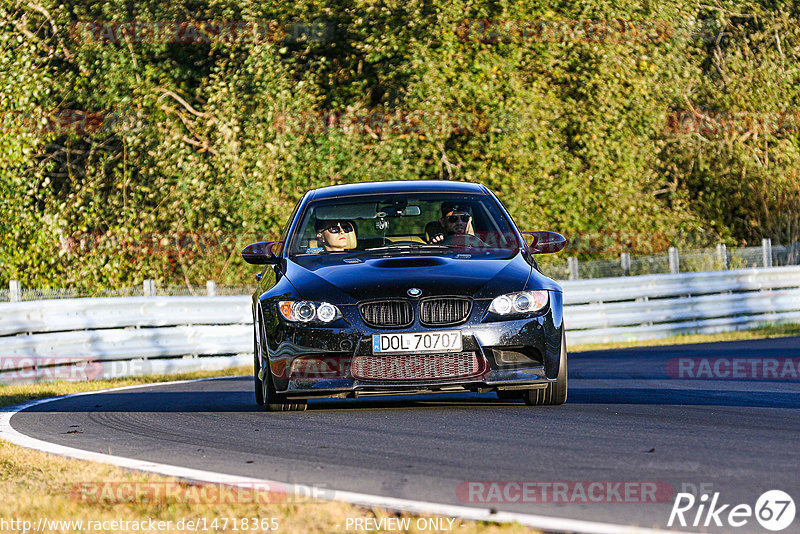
(400, 223)
(353, 243)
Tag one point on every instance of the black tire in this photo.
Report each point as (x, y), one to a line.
(266, 395)
(258, 386)
(556, 392)
(274, 402)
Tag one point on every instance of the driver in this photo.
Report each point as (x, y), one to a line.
(332, 234)
(455, 221)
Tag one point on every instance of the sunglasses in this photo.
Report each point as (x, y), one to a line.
(345, 227)
(452, 219)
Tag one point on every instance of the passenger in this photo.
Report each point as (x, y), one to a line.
(333, 235)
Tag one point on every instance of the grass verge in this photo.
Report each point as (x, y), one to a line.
(38, 486)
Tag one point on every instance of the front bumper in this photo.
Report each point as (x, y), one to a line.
(539, 337)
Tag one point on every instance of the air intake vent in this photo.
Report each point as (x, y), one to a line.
(409, 262)
(443, 311)
(416, 366)
(387, 313)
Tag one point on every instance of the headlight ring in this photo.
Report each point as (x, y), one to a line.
(305, 311)
(520, 302)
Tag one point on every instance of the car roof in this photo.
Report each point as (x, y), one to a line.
(396, 186)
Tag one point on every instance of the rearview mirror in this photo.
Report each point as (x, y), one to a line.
(261, 253)
(545, 242)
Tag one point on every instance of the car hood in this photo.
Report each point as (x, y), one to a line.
(324, 278)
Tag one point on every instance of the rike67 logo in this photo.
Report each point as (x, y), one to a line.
(774, 510)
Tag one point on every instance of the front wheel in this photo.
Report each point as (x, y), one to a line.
(556, 392)
(258, 386)
(266, 395)
(275, 402)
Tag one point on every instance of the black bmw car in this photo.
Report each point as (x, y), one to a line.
(405, 287)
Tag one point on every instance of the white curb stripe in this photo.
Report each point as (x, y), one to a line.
(8, 433)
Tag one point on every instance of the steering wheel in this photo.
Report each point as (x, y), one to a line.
(463, 240)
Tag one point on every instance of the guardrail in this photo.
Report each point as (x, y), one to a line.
(125, 336)
(655, 306)
(109, 337)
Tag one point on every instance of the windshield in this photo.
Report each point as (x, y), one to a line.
(381, 223)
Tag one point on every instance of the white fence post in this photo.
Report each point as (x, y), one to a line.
(14, 291)
(211, 288)
(625, 262)
(149, 287)
(572, 265)
(722, 256)
(766, 251)
(674, 262)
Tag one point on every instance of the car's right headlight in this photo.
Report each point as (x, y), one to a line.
(304, 311)
(519, 302)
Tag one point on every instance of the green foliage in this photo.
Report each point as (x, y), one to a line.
(205, 146)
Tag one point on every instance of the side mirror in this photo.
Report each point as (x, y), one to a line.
(545, 242)
(261, 253)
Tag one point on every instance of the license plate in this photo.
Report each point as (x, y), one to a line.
(416, 343)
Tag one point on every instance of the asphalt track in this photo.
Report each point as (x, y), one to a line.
(629, 419)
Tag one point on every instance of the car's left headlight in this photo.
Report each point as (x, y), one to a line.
(304, 311)
(519, 302)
